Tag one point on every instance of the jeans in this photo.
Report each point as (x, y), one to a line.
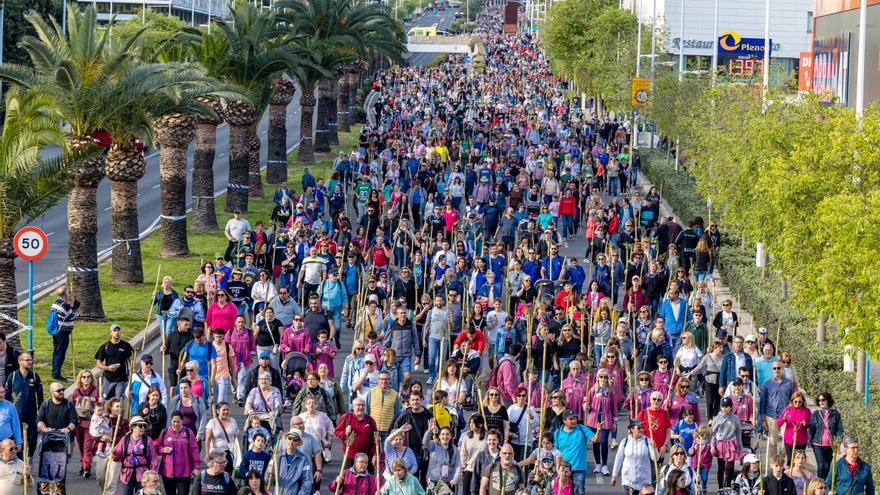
(113, 389)
(824, 457)
(613, 183)
(579, 481)
(222, 389)
(676, 342)
(166, 322)
(598, 350)
(336, 316)
(60, 343)
(241, 382)
(600, 448)
(702, 276)
(433, 355)
(567, 221)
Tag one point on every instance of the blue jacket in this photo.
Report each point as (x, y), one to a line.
(333, 295)
(349, 276)
(10, 426)
(578, 276)
(728, 369)
(862, 481)
(295, 473)
(672, 325)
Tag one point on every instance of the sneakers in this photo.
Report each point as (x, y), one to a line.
(613, 444)
(430, 381)
(597, 469)
(605, 471)
(87, 473)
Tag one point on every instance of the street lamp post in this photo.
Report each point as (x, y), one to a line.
(715, 45)
(681, 43)
(653, 41)
(766, 49)
(860, 64)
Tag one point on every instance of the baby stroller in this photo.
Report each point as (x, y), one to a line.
(52, 466)
(294, 362)
(269, 421)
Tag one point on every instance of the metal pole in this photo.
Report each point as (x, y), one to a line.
(63, 18)
(638, 45)
(681, 43)
(31, 306)
(766, 49)
(653, 41)
(210, 4)
(143, 11)
(867, 362)
(192, 16)
(714, 67)
(860, 66)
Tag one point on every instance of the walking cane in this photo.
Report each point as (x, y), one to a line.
(833, 463)
(25, 442)
(277, 458)
(348, 441)
(152, 304)
(112, 445)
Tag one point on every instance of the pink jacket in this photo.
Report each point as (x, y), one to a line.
(352, 484)
(184, 457)
(604, 403)
(678, 405)
(243, 344)
(140, 456)
(796, 420)
(743, 407)
(297, 341)
(661, 381)
(328, 352)
(221, 317)
(575, 390)
(507, 377)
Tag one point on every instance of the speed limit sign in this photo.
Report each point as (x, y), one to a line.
(30, 243)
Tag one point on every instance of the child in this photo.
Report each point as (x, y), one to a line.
(748, 482)
(443, 413)
(683, 429)
(726, 442)
(324, 352)
(777, 482)
(373, 345)
(99, 427)
(744, 409)
(700, 454)
(254, 428)
(255, 458)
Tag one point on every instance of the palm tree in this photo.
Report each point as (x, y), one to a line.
(76, 70)
(283, 91)
(254, 56)
(344, 30)
(319, 57)
(204, 216)
(29, 185)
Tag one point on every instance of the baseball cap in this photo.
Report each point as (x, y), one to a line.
(751, 338)
(762, 330)
(295, 434)
(147, 358)
(726, 402)
(568, 414)
(115, 326)
(750, 459)
(218, 255)
(370, 358)
(265, 355)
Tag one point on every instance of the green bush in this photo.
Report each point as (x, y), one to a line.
(819, 365)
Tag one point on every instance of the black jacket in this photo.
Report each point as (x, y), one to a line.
(781, 486)
(11, 360)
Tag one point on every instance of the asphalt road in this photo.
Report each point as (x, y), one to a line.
(53, 265)
(443, 20)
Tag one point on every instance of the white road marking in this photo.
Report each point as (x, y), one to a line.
(50, 234)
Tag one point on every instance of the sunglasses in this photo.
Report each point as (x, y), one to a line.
(520, 395)
(777, 368)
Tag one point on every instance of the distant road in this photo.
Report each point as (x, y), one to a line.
(53, 266)
(443, 20)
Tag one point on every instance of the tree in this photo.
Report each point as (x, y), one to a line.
(76, 70)
(594, 43)
(29, 184)
(15, 26)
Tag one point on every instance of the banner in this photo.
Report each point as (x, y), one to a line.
(805, 72)
(641, 88)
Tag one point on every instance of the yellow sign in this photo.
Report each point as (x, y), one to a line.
(641, 88)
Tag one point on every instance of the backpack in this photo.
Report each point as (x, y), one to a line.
(226, 479)
(492, 379)
(52, 323)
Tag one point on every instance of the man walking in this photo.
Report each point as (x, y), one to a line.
(64, 309)
(775, 396)
(113, 360)
(25, 389)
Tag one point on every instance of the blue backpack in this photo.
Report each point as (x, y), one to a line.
(52, 322)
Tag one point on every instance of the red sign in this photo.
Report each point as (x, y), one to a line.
(805, 72)
(30, 243)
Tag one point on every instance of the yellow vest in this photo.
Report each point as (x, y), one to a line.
(382, 407)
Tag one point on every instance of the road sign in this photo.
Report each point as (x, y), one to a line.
(641, 88)
(30, 243)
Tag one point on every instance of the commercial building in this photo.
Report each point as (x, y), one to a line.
(836, 50)
(193, 11)
(740, 28)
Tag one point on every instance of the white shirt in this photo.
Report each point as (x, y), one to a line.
(237, 227)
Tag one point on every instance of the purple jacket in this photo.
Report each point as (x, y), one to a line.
(244, 345)
(184, 457)
(603, 403)
(354, 484)
(136, 456)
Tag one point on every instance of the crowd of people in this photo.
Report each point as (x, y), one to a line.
(484, 360)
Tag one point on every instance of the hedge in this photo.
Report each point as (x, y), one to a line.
(819, 365)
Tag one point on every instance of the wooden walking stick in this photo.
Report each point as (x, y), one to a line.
(833, 463)
(277, 458)
(348, 441)
(793, 446)
(112, 446)
(653, 446)
(152, 304)
(25, 446)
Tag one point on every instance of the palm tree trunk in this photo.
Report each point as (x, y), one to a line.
(239, 153)
(204, 216)
(172, 181)
(322, 127)
(125, 166)
(307, 106)
(342, 105)
(82, 234)
(283, 91)
(128, 267)
(8, 296)
(350, 117)
(255, 182)
(333, 103)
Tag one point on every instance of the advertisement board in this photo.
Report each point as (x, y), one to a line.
(805, 72)
(831, 66)
(731, 43)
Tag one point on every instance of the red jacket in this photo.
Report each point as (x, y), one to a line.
(567, 206)
(363, 430)
(478, 341)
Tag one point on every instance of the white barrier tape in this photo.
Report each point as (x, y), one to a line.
(127, 243)
(75, 269)
(173, 218)
(276, 161)
(197, 200)
(22, 326)
(237, 186)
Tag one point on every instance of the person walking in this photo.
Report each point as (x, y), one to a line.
(851, 475)
(825, 426)
(114, 360)
(61, 318)
(634, 462)
(25, 389)
(775, 396)
(179, 452)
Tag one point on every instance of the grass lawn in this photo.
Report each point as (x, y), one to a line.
(129, 305)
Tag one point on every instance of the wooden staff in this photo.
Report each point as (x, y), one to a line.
(583, 327)
(277, 458)
(833, 463)
(378, 459)
(778, 336)
(653, 445)
(127, 407)
(766, 459)
(543, 406)
(700, 461)
(793, 446)
(112, 446)
(482, 407)
(460, 375)
(152, 304)
(25, 442)
(348, 441)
